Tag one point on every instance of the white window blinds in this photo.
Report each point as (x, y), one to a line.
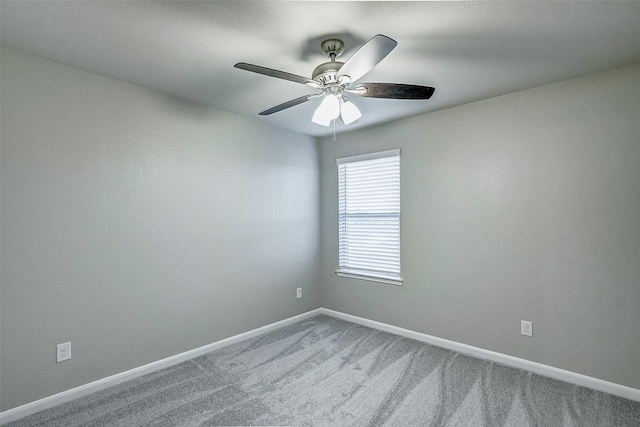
(369, 217)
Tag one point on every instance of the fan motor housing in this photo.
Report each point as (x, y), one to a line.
(327, 73)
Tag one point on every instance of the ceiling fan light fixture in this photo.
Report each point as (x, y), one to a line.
(335, 78)
(320, 119)
(327, 111)
(349, 113)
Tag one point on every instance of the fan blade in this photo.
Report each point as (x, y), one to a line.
(392, 91)
(289, 104)
(367, 57)
(278, 74)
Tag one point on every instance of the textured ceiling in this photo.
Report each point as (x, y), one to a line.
(467, 50)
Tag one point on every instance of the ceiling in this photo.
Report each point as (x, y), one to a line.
(468, 51)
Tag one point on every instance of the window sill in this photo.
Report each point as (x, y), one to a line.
(397, 281)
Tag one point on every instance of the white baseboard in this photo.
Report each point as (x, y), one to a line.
(480, 353)
(92, 387)
(515, 362)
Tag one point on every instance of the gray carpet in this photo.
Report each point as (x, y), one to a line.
(327, 372)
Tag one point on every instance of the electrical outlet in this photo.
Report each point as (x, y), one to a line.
(63, 352)
(299, 293)
(526, 328)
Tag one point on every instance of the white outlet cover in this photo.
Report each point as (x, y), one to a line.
(63, 352)
(526, 328)
(299, 293)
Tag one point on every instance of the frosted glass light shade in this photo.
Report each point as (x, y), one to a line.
(327, 111)
(349, 113)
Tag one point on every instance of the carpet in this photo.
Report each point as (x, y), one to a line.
(328, 372)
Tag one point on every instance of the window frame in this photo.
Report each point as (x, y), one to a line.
(358, 273)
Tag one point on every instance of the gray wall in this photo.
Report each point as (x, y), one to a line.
(138, 226)
(525, 206)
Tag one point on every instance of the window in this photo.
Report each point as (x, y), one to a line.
(369, 217)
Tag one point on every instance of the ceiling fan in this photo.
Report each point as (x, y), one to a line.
(337, 79)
